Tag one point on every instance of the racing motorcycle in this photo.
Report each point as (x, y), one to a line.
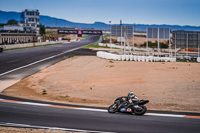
(121, 104)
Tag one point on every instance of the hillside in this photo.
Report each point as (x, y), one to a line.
(56, 22)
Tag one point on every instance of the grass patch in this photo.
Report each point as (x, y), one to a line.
(184, 60)
(110, 66)
(107, 35)
(111, 61)
(83, 100)
(84, 37)
(71, 56)
(94, 46)
(44, 92)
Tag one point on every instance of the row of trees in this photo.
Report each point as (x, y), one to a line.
(10, 22)
(15, 22)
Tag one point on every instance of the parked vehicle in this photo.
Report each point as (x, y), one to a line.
(123, 104)
(1, 49)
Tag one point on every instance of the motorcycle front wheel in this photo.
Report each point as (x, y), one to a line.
(112, 108)
(140, 111)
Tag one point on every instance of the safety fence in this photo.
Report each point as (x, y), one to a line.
(136, 48)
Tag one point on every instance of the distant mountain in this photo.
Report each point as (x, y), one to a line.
(55, 22)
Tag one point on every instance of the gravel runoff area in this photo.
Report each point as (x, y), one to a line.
(89, 80)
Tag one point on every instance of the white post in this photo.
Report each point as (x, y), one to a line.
(121, 33)
(110, 33)
(147, 45)
(170, 47)
(124, 40)
(158, 43)
(133, 41)
(198, 43)
(128, 43)
(187, 44)
(175, 44)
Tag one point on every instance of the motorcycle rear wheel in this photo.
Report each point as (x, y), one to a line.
(141, 111)
(112, 108)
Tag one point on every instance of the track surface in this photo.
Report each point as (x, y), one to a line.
(70, 118)
(11, 112)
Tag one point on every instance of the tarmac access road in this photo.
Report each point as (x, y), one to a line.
(18, 112)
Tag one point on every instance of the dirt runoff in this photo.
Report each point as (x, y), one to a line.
(89, 80)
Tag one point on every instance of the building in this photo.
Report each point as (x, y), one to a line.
(13, 37)
(30, 20)
(13, 28)
(184, 39)
(27, 31)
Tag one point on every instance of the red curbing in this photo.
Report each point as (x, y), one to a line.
(58, 106)
(12, 101)
(190, 116)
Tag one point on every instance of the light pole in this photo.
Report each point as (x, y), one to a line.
(110, 33)
(198, 44)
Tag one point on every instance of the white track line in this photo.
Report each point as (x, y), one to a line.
(167, 115)
(38, 104)
(93, 109)
(39, 61)
(50, 128)
(90, 109)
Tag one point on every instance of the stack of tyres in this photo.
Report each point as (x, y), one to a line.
(127, 57)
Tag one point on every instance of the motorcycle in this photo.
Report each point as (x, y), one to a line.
(121, 104)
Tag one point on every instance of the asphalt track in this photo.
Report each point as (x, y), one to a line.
(38, 114)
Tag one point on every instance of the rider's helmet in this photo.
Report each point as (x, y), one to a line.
(131, 94)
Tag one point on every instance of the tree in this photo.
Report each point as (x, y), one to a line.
(42, 29)
(12, 22)
(1, 25)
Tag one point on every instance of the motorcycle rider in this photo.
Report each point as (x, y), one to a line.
(130, 99)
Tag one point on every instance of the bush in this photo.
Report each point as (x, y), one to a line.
(44, 92)
(154, 45)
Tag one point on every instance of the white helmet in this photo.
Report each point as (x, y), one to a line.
(131, 94)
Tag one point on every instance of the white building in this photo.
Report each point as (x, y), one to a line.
(30, 20)
(13, 27)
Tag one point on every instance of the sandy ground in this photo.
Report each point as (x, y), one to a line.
(93, 81)
(30, 130)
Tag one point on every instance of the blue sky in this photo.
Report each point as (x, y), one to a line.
(173, 12)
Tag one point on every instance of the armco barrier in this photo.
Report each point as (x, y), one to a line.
(111, 56)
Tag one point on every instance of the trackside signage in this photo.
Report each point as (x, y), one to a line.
(79, 32)
(67, 31)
